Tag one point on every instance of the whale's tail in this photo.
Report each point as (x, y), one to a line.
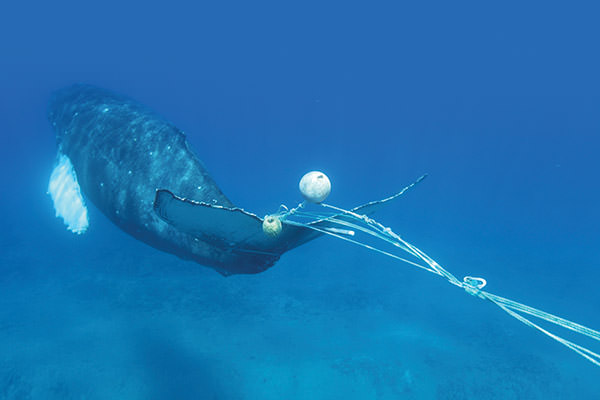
(237, 231)
(230, 228)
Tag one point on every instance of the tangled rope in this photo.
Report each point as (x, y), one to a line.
(347, 224)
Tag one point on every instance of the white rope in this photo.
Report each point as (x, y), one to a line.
(472, 285)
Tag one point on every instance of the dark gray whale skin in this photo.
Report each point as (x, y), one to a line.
(122, 153)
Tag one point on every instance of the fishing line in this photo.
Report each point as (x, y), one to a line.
(351, 225)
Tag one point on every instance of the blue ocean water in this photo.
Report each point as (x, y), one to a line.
(498, 103)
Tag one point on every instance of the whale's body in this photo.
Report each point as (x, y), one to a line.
(138, 169)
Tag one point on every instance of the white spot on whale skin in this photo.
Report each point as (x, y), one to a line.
(105, 110)
(64, 190)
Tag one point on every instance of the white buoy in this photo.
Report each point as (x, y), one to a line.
(315, 186)
(272, 225)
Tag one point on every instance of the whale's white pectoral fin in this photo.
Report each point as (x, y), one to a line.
(66, 195)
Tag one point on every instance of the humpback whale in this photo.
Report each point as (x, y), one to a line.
(139, 171)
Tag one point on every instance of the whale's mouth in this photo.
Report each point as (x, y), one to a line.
(229, 228)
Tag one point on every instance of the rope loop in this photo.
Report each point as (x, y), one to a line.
(473, 286)
(344, 224)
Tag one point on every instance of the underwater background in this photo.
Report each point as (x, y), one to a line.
(498, 102)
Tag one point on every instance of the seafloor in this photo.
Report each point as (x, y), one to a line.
(103, 316)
